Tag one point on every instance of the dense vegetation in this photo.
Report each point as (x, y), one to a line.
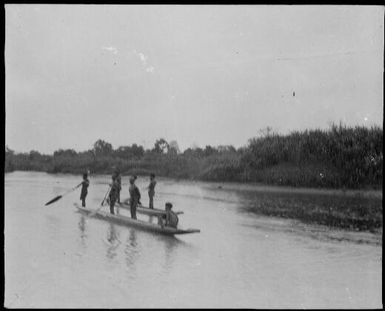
(356, 212)
(340, 157)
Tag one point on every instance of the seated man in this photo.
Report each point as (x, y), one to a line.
(170, 219)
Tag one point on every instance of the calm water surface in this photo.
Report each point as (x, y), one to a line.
(56, 257)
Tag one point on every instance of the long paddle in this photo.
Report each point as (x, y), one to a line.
(62, 195)
(101, 205)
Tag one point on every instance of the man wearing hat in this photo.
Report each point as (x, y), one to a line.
(134, 196)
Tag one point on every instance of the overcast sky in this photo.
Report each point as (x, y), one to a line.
(195, 74)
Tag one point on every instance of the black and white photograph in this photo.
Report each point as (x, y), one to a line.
(193, 156)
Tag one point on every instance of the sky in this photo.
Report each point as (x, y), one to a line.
(200, 75)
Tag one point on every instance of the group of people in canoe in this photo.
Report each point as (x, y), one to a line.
(169, 219)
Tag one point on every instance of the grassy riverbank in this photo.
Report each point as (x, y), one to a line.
(354, 210)
(351, 210)
(365, 215)
(340, 157)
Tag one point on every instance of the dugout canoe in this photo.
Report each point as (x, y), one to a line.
(145, 210)
(136, 223)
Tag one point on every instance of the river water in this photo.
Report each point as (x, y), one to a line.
(56, 257)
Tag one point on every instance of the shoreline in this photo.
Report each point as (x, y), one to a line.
(363, 192)
(367, 192)
(351, 210)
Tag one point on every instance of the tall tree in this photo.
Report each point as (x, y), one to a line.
(161, 146)
(102, 148)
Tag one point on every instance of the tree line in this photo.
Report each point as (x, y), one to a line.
(339, 157)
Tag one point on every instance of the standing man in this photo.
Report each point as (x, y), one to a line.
(119, 181)
(151, 191)
(113, 193)
(83, 194)
(134, 197)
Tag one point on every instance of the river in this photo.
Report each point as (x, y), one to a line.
(57, 258)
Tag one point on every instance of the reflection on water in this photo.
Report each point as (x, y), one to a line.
(56, 257)
(131, 250)
(113, 241)
(132, 238)
(170, 247)
(82, 227)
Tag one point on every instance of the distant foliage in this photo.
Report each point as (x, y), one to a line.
(32, 161)
(345, 156)
(102, 148)
(161, 146)
(129, 152)
(9, 160)
(340, 157)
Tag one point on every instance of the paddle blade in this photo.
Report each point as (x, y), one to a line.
(53, 200)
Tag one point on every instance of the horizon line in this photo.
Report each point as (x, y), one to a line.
(263, 132)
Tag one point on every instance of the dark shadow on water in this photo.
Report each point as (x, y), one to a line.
(170, 245)
(132, 245)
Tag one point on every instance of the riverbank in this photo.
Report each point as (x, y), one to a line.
(258, 187)
(340, 157)
(352, 210)
(348, 209)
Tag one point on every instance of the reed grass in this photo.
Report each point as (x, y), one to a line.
(338, 157)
